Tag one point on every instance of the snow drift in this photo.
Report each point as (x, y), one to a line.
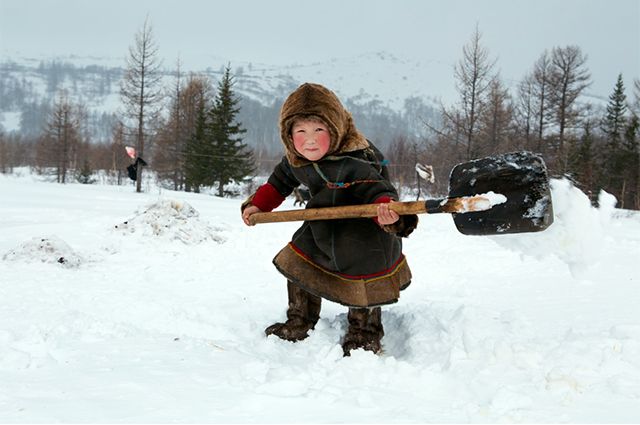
(49, 249)
(171, 220)
(577, 233)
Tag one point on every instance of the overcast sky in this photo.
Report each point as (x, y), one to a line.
(297, 31)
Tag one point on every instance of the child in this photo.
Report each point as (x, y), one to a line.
(355, 262)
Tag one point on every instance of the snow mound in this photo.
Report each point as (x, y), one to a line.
(576, 234)
(173, 220)
(50, 249)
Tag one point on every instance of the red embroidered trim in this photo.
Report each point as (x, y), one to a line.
(390, 270)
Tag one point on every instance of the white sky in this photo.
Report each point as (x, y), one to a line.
(290, 31)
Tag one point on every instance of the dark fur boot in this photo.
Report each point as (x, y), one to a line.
(365, 330)
(302, 315)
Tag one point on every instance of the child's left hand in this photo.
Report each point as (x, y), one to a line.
(386, 216)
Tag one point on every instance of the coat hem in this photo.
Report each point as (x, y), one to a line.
(376, 291)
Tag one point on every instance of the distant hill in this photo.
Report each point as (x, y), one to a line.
(387, 95)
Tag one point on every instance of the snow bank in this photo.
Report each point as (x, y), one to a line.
(171, 220)
(50, 249)
(576, 233)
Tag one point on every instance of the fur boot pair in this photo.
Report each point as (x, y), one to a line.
(365, 324)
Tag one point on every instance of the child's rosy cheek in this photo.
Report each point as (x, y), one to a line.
(298, 138)
(324, 138)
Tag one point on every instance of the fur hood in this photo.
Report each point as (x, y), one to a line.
(314, 99)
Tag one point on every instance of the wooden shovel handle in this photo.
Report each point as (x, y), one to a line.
(448, 205)
(330, 213)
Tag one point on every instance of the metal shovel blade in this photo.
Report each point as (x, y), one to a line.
(521, 177)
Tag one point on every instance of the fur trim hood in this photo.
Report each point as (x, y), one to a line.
(314, 99)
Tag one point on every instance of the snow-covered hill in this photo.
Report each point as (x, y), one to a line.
(161, 319)
(379, 77)
(386, 95)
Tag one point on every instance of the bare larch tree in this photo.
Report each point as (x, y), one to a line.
(474, 75)
(140, 89)
(568, 79)
(62, 136)
(540, 75)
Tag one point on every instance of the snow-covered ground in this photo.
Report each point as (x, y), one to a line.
(112, 314)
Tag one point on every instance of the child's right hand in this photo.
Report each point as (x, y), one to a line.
(251, 209)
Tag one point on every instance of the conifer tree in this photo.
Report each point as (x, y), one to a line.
(231, 160)
(614, 121)
(193, 148)
(582, 159)
(85, 173)
(613, 126)
(631, 152)
(198, 153)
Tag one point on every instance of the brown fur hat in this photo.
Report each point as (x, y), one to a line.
(315, 100)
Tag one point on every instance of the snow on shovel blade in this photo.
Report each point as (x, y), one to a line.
(521, 177)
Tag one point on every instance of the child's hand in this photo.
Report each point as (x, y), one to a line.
(386, 216)
(251, 209)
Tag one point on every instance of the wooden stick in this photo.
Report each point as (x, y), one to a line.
(447, 205)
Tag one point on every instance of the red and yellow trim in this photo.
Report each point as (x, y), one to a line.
(347, 277)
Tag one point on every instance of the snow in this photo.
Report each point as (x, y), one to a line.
(494, 198)
(478, 202)
(152, 326)
(173, 220)
(48, 249)
(578, 233)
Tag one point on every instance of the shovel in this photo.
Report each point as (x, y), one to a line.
(496, 195)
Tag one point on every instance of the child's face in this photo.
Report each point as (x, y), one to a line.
(311, 139)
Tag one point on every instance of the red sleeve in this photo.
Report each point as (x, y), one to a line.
(381, 200)
(267, 198)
